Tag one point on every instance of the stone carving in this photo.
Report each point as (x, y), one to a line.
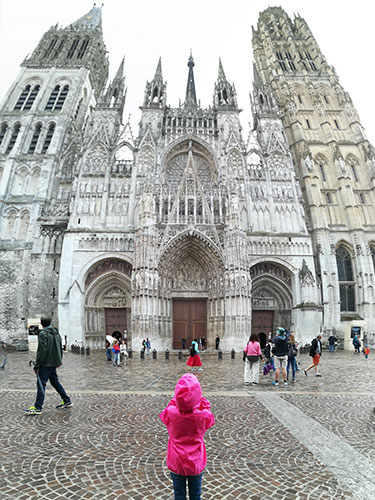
(106, 266)
(189, 275)
(146, 161)
(114, 297)
(305, 275)
(96, 161)
(272, 269)
(359, 250)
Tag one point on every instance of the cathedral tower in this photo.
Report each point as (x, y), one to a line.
(42, 116)
(333, 161)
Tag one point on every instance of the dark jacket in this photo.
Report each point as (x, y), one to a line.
(281, 345)
(313, 348)
(49, 348)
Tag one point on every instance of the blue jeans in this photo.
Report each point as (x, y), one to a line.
(331, 347)
(179, 486)
(116, 358)
(45, 374)
(292, 362)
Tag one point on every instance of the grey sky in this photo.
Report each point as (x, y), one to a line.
(146, 29)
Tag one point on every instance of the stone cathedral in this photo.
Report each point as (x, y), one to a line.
(185, 228)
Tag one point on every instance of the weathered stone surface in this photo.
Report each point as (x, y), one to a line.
(111, 444)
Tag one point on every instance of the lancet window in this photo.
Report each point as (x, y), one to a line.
(346, 279)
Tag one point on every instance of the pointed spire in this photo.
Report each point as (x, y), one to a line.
(191, 98)
(221, 74)
(120, 71)
(158, 72)
(224, 93)
(92, 20)
(155, 91)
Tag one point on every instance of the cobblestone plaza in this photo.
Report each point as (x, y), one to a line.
(311, 440)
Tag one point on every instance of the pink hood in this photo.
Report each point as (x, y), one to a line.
(187, 418)
(188, 392)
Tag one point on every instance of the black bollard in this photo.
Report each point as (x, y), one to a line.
(72, 348)
(220, 354)
(130, 354)
(82, 350)
(154, 354)
(167, 354)
(232, 354)
(142, 353)
(179, 354)
(87, 351)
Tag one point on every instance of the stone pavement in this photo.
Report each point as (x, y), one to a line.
(311, 440)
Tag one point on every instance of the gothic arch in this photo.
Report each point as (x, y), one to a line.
(24, 220)
(200, 148)
(197, 241)
(10, 223)
(191, 250)
(20, 180)
(107, 291)
(272, 289)
(347, 246)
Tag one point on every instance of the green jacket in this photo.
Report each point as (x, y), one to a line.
(49, 348)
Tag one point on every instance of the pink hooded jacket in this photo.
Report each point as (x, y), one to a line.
(187, 418)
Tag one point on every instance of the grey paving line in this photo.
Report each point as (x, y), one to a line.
(329, 449)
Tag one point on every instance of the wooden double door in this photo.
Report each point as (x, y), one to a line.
(115, 320)
(262, 324)
(189, 321)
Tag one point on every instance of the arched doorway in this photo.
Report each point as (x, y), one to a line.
(192, 272)
(271, 298)
(107, 300)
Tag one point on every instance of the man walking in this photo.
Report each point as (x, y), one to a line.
(315, 353)
(48, 358)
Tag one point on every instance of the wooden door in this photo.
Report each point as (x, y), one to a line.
(115, 320)
(189, 321)
(262, 324)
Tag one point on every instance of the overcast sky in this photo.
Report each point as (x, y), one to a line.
(143, 30)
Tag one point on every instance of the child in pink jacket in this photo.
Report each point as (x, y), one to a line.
(187, 418)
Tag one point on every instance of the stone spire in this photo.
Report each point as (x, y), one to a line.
(116, 92)
(155, 91)
(91, 20)
(225, 96)
(78, 45)
(191, 98)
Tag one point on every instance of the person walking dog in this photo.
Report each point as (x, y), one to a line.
(48, 358)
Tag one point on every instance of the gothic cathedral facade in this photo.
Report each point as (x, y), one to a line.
(187, 228)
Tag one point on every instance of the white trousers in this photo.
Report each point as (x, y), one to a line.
(251, 372)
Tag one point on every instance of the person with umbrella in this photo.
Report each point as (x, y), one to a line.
(48, 358)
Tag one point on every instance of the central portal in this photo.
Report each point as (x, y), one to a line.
(189, 320)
